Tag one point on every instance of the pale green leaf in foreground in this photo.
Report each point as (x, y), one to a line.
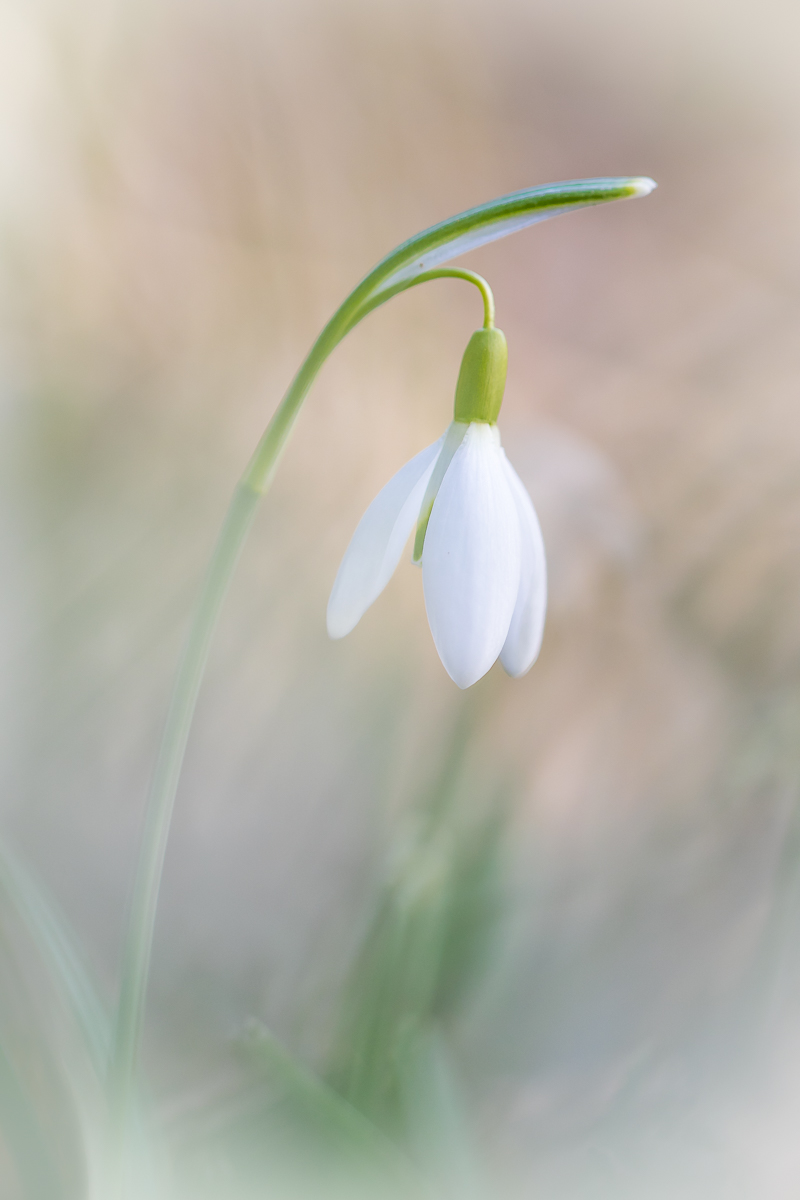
(59, 953)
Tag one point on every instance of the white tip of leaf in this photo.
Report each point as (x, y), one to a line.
(471, 560)
(643, 186)
(377, 544)
(524, 640)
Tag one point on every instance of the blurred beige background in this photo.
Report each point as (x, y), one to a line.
(187, 190)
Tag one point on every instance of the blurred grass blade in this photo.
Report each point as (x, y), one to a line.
(56, 946)
(52, 1048)
(25, 1138)
(425, 946)
(435, 1118)
(302, 1085)
(323, 1108)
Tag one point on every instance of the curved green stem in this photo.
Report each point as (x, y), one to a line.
(416, 261)
(440, 273)
(470, 277)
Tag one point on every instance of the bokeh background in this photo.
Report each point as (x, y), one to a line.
(187, 191)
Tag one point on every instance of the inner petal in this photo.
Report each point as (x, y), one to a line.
(524, 639)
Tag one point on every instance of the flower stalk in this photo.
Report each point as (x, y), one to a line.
(415, 261)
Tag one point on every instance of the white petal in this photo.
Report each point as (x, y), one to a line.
(471, 559)
(524, 639)
(375, 548)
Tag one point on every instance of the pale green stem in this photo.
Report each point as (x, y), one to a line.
(136, 960)
(164, 785)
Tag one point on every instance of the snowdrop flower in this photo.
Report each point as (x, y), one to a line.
(477, 536)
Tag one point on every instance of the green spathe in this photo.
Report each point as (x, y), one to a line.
(482, 378)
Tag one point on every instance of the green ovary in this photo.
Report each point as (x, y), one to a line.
(482, 378)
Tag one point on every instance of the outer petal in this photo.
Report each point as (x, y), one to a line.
(471, 559)
(524, 639)
(375, 548)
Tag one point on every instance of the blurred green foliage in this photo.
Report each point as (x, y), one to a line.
(388, 1103)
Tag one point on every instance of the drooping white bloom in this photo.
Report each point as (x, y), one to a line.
(483, 562)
